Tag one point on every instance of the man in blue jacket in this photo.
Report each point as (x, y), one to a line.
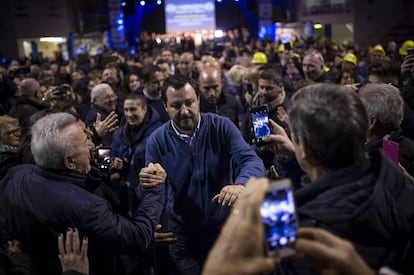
(40, 201)
(207, 161)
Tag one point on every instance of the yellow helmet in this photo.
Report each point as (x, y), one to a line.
(281, 48)
(351, 58)
(377, 48)
(406, 45)
(259, 58)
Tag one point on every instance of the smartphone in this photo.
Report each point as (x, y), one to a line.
(61, 91)
(104, 158)
(260, 120)
(278, 214)
(391, 149)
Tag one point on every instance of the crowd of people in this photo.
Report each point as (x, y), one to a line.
(179, 182)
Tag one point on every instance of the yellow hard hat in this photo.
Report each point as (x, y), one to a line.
(406, 45)
(351, 58)
(281, 48)
(377, 48)
(259, 58)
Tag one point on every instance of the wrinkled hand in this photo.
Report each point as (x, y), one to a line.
(71, 255)
(163, 238)
(152, 175)
(278, 141)
(239, 249)
(228, 194)
(330, 254)
(15, 247)
(107, 126)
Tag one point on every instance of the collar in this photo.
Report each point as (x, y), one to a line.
(147, 95)
(184, 136)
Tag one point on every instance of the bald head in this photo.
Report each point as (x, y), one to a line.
(210, 84)
(312, 65)
(186, 63)
(30, 88)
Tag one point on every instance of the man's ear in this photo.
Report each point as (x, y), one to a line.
(304, 150)
(372, 122)
(69, 163)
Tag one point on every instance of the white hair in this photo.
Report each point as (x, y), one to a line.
(97, 90)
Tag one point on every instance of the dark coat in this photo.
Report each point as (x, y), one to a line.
(24, 109)
(369, 204)
(37, 204)
(228, 105)
(133, 148)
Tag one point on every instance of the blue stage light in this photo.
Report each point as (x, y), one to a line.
(123, 4)
(142, 3)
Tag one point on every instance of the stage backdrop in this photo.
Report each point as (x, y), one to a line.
(189, 15)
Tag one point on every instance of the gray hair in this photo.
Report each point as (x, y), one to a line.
(97, 89)
(385, 103)
(332, 121)
(49, 145)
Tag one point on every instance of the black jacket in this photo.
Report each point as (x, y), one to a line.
(369, 204)
(37, 204)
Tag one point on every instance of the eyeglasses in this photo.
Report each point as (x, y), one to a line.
(15, 132)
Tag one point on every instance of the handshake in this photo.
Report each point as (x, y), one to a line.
(152, 175)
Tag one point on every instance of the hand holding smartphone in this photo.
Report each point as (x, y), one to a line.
(260, 120)
(279, 218)
(104, 158)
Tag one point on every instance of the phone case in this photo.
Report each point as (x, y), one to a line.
(391, 149)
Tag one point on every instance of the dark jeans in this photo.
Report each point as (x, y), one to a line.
(190, 251)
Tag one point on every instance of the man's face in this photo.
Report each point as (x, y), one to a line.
(376, 57)
(79, 138)
(165, 70)
(153, 85)
(269, 89)
(109, 75)
(183, 107)
(134, 113)
(106, 100)
(186, 64)
(167, 55)
(210, 86)
(312, 67)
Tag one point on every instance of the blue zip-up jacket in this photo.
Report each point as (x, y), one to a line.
(219, 157)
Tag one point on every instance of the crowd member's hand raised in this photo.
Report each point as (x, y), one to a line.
(278, 141)
(72, 256)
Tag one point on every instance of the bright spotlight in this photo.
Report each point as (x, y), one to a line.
(317, 26)
(142, 3)
(219, 1)
(159, 2)
(123, 4)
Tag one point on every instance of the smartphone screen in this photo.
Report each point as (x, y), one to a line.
(391, 149)
(279, 218)
(260, 122)
(104, 158)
